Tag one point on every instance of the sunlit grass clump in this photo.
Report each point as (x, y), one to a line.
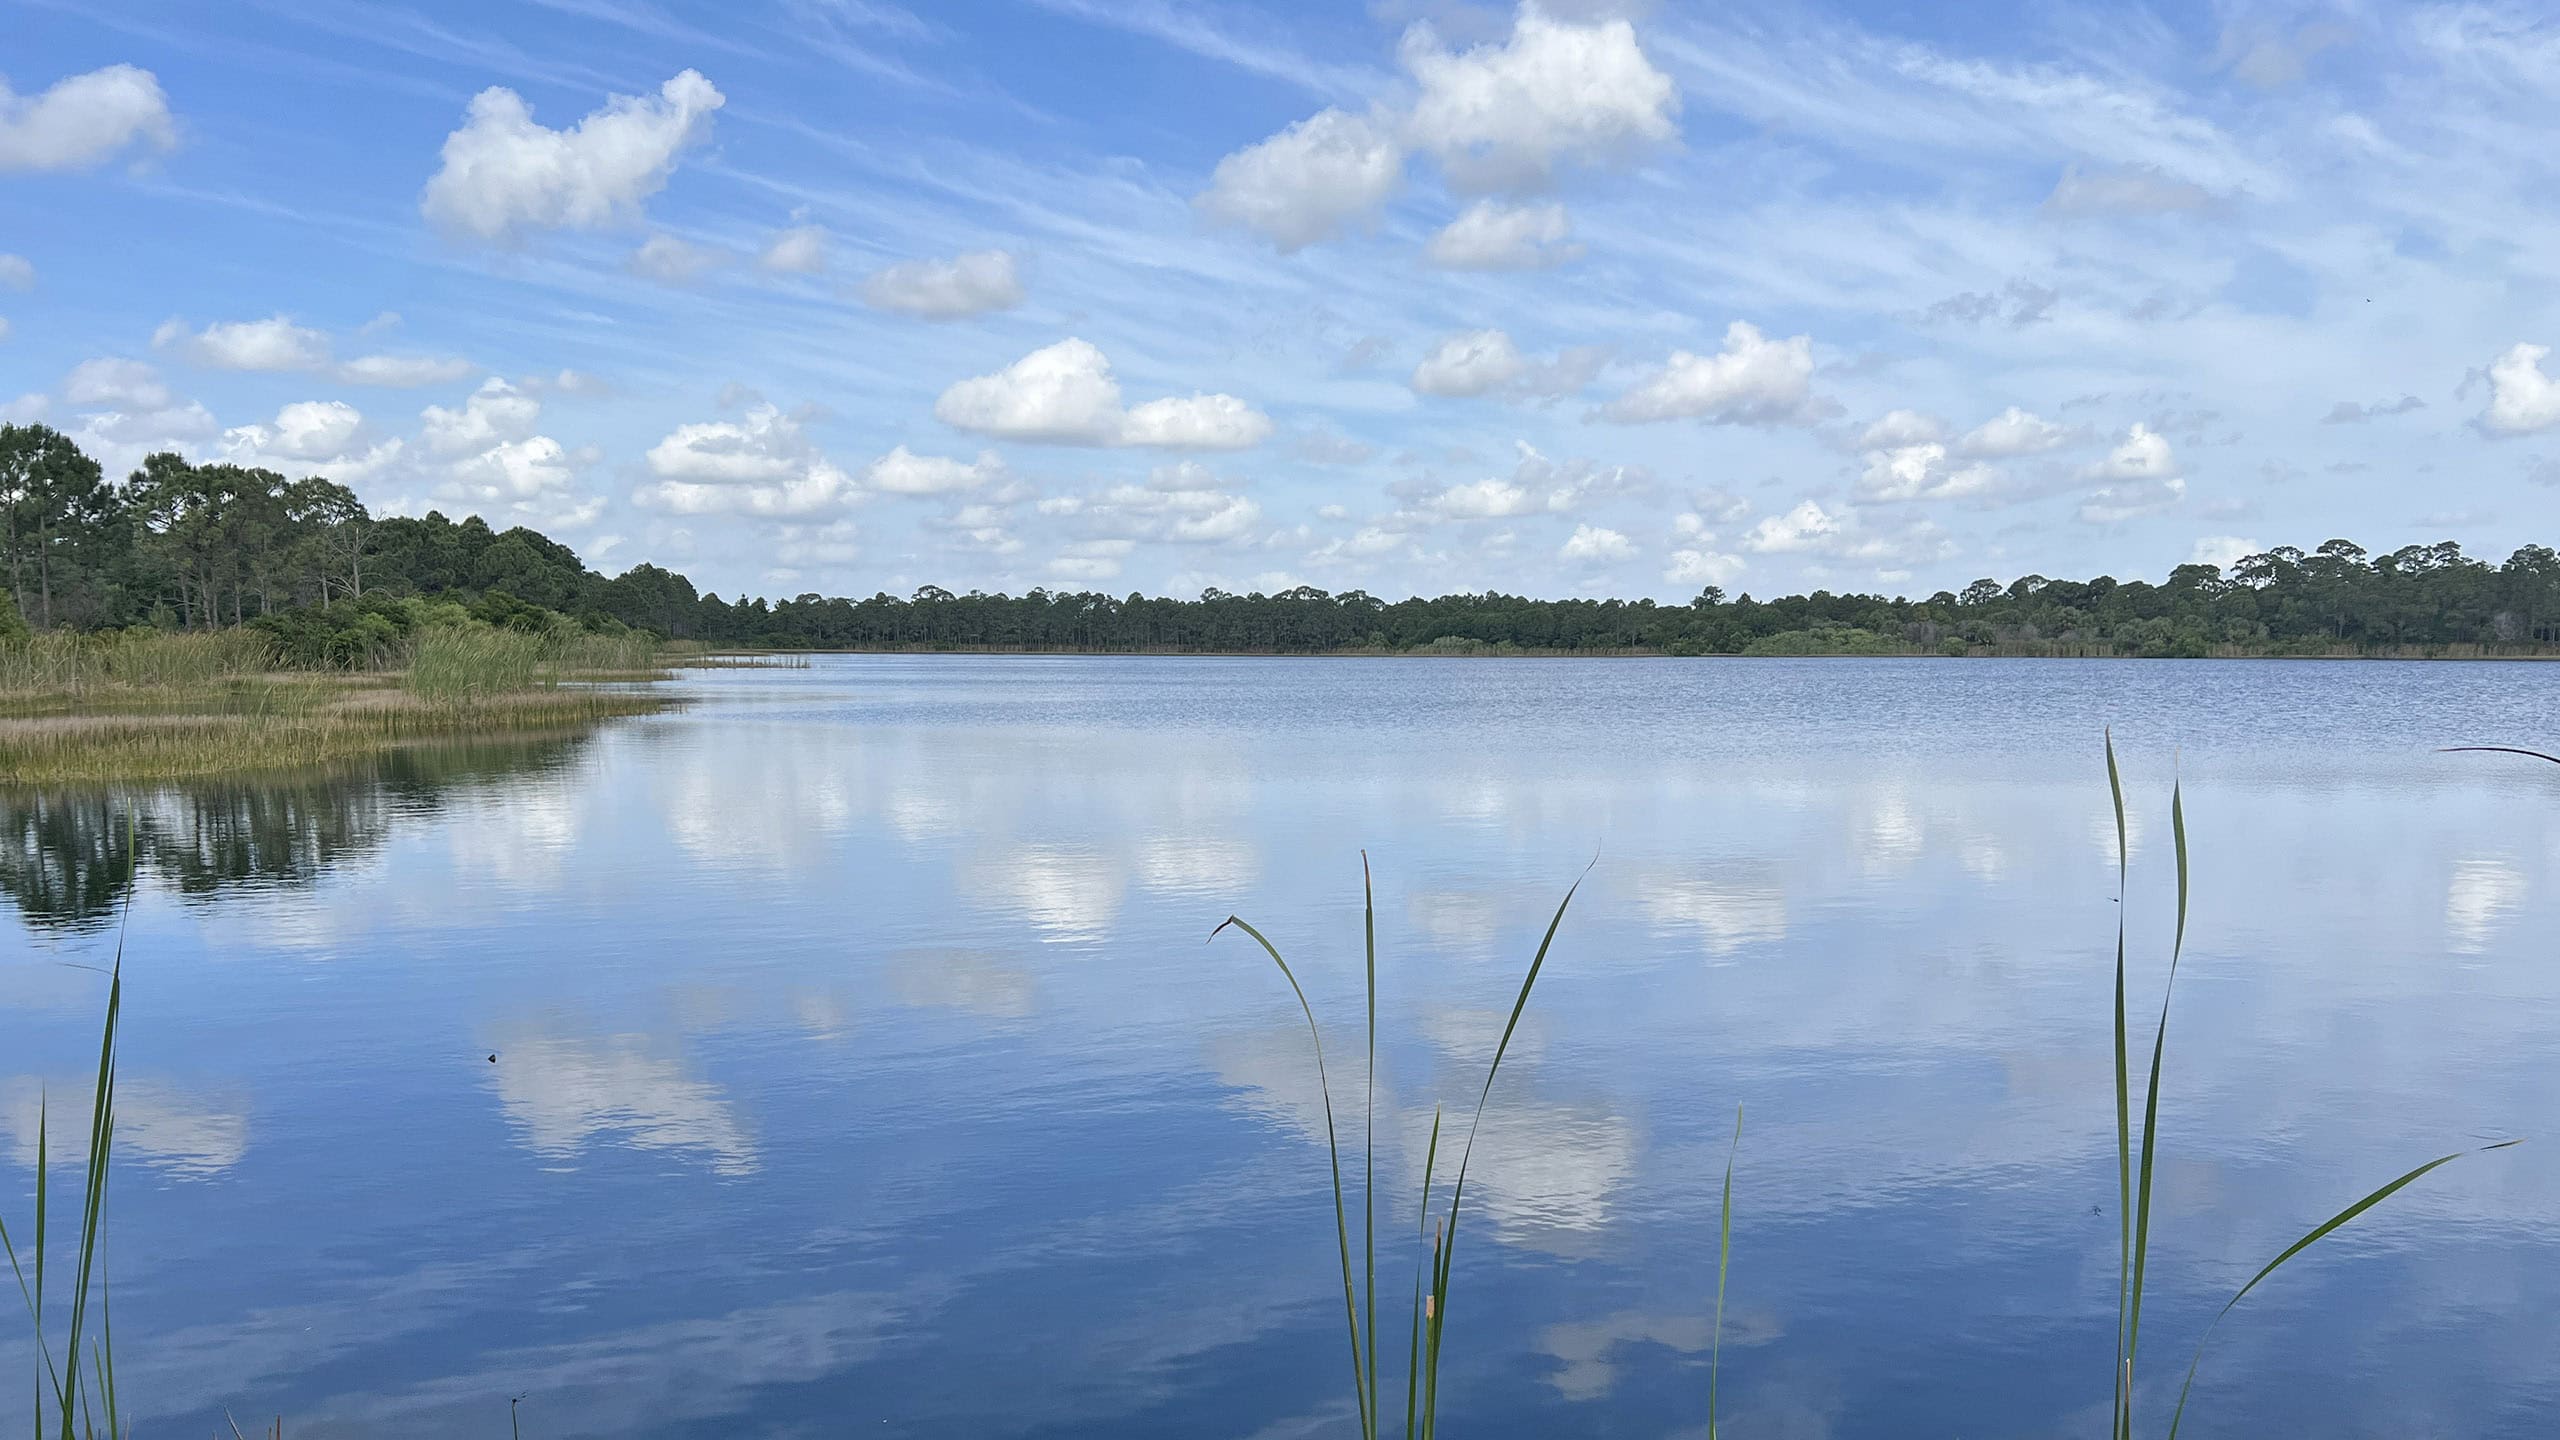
(583, 654)
(460, 667)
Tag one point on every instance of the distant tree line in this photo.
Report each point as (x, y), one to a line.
(181, 545)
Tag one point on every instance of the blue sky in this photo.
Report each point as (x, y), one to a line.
(841, 296)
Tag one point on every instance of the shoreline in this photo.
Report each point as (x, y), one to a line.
(2413, 654)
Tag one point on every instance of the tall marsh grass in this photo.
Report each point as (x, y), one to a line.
(457, 666)
(2137, 1155)
(632, 651)
(151, 706)
(61, 663)
(2136, 1164)
(1435, 1236)
(298, 728)
(472, 665)
(65, 1409)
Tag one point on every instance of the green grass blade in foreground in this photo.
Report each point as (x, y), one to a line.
(1333, 1149)
(2151, 1107)
(1458, 1187)
(94, 1198)
(1421, 1233)
(33, 1294)
(1724, 1261)
(107, 1353)
(2496, 750)
(2122, 1420)
(63, 1377)
(1369, 1178)
(2317, 1233)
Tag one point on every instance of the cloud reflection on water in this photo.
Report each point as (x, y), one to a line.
(563, 1094)
(165, 1127)
(928, 965)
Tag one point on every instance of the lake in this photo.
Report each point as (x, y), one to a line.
(863, 1064)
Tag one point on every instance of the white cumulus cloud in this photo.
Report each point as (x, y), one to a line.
(1536, 485)
(1492, 235)
(1470, 364)
(2522, 399)
(1553, 93)
(485, 456)
(799, 250)
(274, 344)
(1484, 362)
(2139, 476)
(497, 412)
(82, 120)
(1754, 380)
(1496, 116)
(671, 261)
(17, 273)
(2143, 454)
(953, 289)
(903, 472)
(1902, 427)
(524, 481)
(1921, 471)
(1702, 567)
(1596, 545)
(1195, 422)
(322, 436)
(1487, 499)
(1183, 503)
(2223, 551)
(761, 464)
(1845, 535)
(1061, 394)
(1307, 183)
(116, 383)
(1806, 527)
(1065, 394)
(2013, 432)
(313, 429)
(404, 372)
(504, 174)
(278, 345)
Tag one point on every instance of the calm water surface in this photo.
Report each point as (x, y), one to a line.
(861, 1068)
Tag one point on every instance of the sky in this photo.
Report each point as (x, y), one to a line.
(1582, 298)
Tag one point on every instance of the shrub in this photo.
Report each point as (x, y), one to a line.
(1825, 639)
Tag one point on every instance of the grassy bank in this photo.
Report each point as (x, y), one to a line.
(86, 709)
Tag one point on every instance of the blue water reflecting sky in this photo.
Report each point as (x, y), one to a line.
(862, 1066)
